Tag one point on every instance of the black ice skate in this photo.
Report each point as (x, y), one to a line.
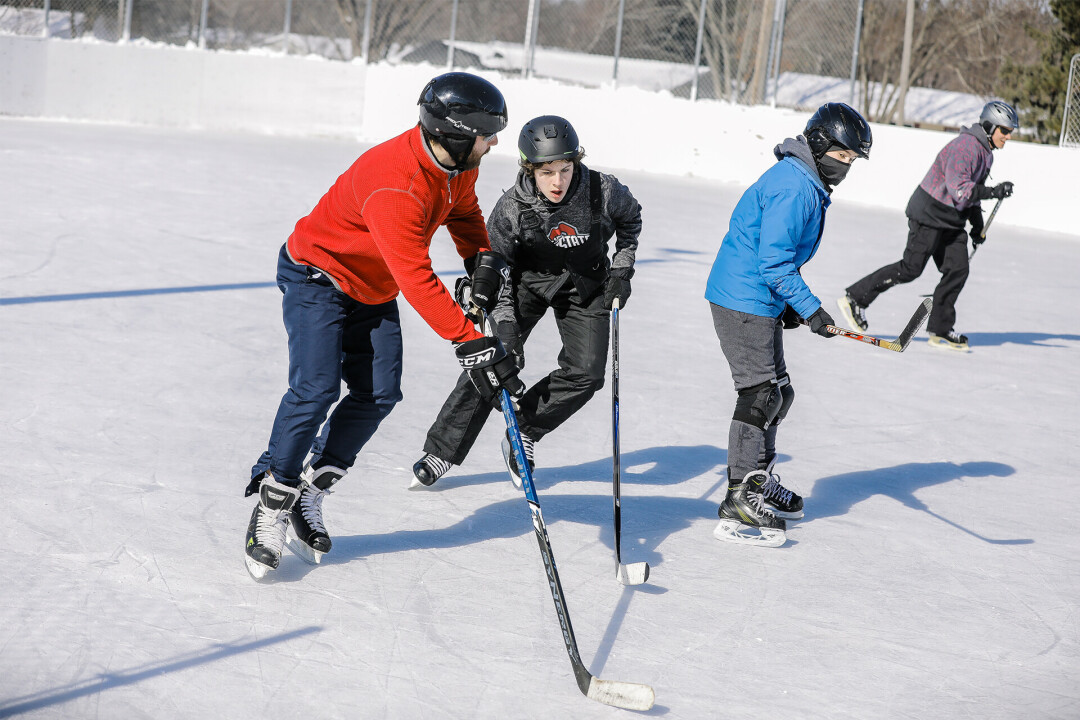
(783, 502)
(854, 313)
(307, 536)
(511, 460)
(744, 517)
(950, 341)
(268, 525)
(427, 470)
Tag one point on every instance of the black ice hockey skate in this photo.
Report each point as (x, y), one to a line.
(307, 536)
(427, 470)
(853, 312)
(783, 502)
(268, 526)
(744, 517)
(511, 460)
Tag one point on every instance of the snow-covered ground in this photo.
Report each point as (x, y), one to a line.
(143, 357)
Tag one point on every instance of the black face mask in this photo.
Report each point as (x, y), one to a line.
(831, 170)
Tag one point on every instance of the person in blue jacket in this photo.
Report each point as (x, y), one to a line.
(755, 291)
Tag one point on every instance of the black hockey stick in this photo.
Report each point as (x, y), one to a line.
(982, 233)
(899, 344)
(634, 573)
(631, 696)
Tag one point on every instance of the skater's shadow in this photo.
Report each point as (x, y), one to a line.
(1053, 340)
(833, 496)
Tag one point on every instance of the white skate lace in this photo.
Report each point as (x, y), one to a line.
(757, 501)
(436, 465)
(773, 490)
(270, 529)
(311, 507)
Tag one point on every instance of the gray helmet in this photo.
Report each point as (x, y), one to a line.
(838, 124)
(547, 138)
(998, 114)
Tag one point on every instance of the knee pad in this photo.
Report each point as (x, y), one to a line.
(787, 396)
(759, 405)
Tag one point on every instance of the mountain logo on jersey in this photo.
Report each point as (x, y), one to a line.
(567, 236)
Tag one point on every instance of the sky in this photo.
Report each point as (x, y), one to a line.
(142, 362)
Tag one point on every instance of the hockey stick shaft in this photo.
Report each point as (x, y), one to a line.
(616, 463)
(635, 573)
(632, 696)
(982, 233)
(900, 344)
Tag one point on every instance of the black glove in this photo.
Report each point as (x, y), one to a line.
(977, 238)
(510, 335)
(819, 321)
(790, 319)
(479, 292)
(490, 369)
(1002, 191)
(618, 286)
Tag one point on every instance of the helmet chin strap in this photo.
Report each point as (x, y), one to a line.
(458, 148)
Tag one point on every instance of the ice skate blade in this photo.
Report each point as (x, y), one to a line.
(417, 485)
(845, 310)
(736, 532)
(507, 452)
(256, 570)
(302, 550)
(938, 344)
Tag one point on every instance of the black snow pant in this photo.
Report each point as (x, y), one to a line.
(948, 247)
(584, 330)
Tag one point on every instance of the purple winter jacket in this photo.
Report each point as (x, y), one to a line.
(945, 197)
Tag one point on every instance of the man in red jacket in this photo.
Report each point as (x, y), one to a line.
(340, 271)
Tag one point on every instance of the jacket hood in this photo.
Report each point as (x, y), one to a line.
(978, 133)
(797, 148)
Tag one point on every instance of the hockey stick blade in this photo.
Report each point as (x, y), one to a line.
(633, 574)
(629, 696)
(915, 324)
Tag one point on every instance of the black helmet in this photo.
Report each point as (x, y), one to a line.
(547, 138)
(998, 114)
(462, 105)
(838, 124)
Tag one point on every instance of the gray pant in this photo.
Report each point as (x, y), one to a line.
(754, 348)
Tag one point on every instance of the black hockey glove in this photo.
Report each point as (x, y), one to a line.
(790, 319)
(819, 321)
(490, 369)
(618, 286)
(479, 292)
(976, 219)
(1001, 191)
(510, 335)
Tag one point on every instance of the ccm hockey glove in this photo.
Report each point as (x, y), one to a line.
(818, 322)
(479, 292)
(490, 369)
(618, 286)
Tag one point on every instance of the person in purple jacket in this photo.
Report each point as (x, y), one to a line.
(946, 199)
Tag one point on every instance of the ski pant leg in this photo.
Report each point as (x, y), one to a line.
(584, 330)
(371, 368)
(749, 343)
(314, 314)
(917, 252)
(951, 257)
(463, 414)
(458, 423)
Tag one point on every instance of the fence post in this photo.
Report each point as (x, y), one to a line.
(202, 24)
(530, 39)
(453, 36)
(855, 52)
(287, 30)
(126, 36)
(618, 43)
(367, 32)
(45, 30)
(776, 46)
(1067, 138)
(697, 51)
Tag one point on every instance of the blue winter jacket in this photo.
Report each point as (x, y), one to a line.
(775, 228)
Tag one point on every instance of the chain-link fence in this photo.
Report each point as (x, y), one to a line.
(1070, 123)
(785, 52)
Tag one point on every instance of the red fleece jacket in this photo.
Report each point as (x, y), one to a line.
(371, 231)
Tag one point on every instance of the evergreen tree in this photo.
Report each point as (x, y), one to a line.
(1038, 90)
